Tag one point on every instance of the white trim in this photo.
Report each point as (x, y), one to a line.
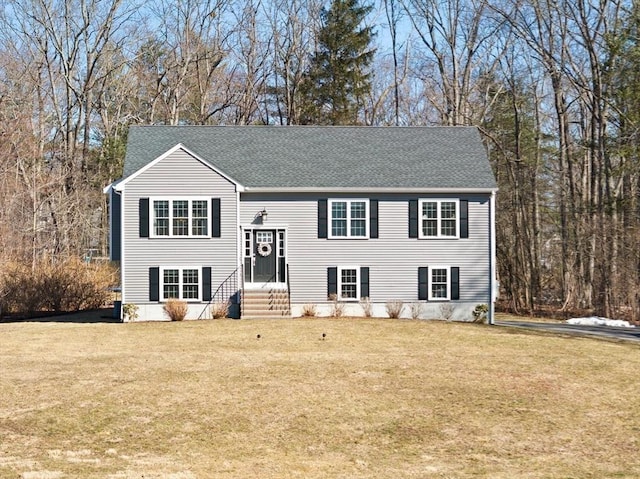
(430, 271)
(369, 190)
(348, 219)
(171, 199)
(180, 269)
(339, 282)
(123, 252)
(120, 186)
(262, 285)
(493, 280)
(251, 228)
(438, 201)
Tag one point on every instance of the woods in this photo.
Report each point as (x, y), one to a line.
(553, 86)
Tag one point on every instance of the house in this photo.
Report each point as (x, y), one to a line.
(274, 219)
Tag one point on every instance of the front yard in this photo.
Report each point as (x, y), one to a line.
(375, 398)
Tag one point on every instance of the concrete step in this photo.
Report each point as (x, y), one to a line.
(265, 303)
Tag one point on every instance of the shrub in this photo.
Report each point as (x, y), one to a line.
(446, 311)
(480, 313)
(130, 311)
(309, 310)
(337, 308)
(176, 309)
(219, 309)
(416, 310)
(367, 307)
(67, 284)
(394, 308)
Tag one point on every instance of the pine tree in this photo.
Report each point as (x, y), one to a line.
(337, 79)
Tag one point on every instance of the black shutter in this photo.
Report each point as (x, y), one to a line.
(364, 282)
(455, 283)
(373, 218)
(332, 281)
(413, 218)
(206, 283)
(154, 284)
(215, 218)
(322, 218)
(143, 217)
(464, 218)
(423, 282)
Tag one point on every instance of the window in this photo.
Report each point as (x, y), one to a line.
(348, 284)
(439, 283)
(439, 219)
(180, 217)
(180, 283)
(348, 218)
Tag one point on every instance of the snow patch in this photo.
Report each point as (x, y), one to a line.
(598, 321)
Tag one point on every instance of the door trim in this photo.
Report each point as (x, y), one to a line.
(249, 251)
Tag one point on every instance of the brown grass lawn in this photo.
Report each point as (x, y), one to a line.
(376, 399)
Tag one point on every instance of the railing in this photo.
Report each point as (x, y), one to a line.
(288, 288)
(227, 291)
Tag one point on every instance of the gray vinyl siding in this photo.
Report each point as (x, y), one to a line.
(393, 258)
(178, 176)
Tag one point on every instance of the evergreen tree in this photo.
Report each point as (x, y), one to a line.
(337, 79)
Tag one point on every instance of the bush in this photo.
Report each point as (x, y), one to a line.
(394, 308)
(176, 309)
(219, 309)
(367, 307)
(130, 311)
(337, 308)
(416, 310)
(446, 311)
(480, 313)
(309, 311)
(56, 285)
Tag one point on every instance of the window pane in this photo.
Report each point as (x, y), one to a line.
(439, 283)
(349, 284)
(339, 227)
(448, 228)
(161, 218)
(200, 216)
(190, 284)
(430, 227)
(170, 280)
(339, 209)
(339, 218)
(448, 209)
(180, 218)
(358, 218)
(430, 209)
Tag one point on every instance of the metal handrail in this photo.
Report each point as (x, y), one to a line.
(288, 288)
(229, 284)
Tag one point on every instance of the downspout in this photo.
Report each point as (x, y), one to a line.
(122, 253)
(493, 293)
(239, 251)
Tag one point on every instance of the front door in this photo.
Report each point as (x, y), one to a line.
(265, 253)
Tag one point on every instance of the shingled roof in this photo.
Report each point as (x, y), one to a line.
(322, 157)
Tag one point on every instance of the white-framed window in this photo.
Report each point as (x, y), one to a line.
(439, 286)
(264, 237)
(348, 283)
(180, 283)
(348, 218)
(180, 217)
(439, 218)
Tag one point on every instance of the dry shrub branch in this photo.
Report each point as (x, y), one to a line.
(60, 285)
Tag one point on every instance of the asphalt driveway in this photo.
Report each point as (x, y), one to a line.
(605, 332)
